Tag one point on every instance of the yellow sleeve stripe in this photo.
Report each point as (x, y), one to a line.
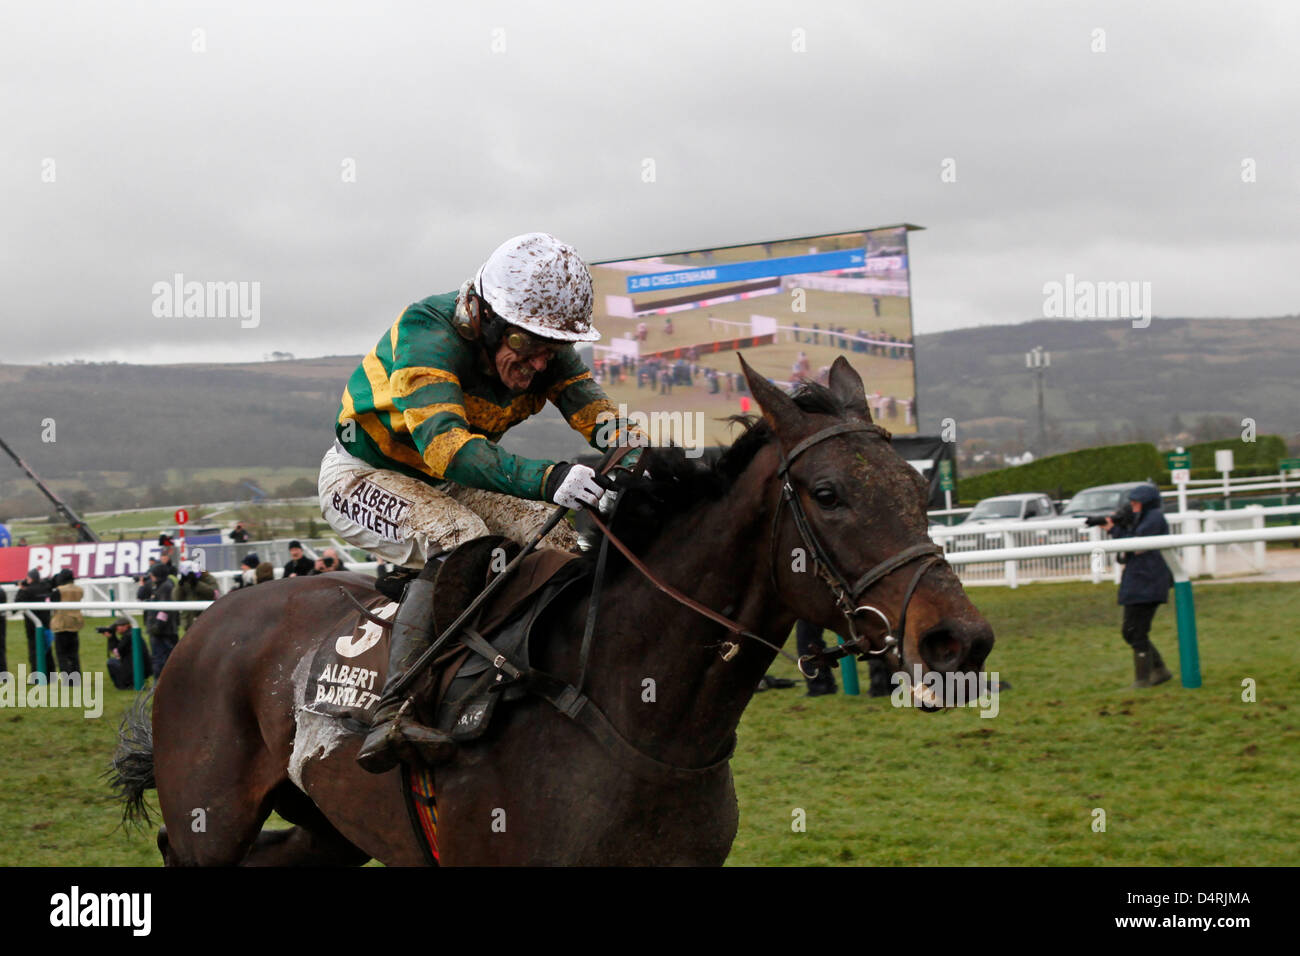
(443, 448)
(377, 375)
(392, 337)
(494, 418)
(554, 391)
(584, 419)
(381, 390)
(415, 417)
(381, 436)
(407, 381)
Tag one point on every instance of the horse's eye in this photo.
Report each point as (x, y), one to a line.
(825, 496)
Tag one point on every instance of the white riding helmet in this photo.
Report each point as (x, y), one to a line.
(541, 285)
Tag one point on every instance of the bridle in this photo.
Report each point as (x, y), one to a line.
(848, 593)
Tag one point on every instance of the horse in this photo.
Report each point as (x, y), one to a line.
(773, 531)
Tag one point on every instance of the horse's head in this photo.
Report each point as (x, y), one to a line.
(850, 550)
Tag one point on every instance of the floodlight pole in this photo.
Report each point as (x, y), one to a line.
(1038, 361)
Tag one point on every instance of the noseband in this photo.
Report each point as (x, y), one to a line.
(848, 593)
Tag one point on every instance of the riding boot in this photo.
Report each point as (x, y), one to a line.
(396, 737)
(1142, 666)
(1159, 673)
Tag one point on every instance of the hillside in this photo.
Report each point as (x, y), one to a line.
(1111, 382)
(137, 427)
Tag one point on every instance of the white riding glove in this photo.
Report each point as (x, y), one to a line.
(575, 488)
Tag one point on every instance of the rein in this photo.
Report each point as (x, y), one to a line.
(732, 627)
(846, 594)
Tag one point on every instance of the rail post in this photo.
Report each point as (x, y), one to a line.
(44, 645)
(137, 657)
(1189, 657)
(849, 672)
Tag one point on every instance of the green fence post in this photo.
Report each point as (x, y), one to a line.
(137, 657)
(43, 641)
(849, 672)
(1189, 656)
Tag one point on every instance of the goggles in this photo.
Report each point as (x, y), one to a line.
(527, 345)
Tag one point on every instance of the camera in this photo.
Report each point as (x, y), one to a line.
(1123, 518)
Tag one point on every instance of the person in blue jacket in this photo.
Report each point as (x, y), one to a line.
(1145, 584)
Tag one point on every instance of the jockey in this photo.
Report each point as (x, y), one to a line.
(415, 469)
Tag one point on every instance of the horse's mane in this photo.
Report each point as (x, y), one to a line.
(677, 483)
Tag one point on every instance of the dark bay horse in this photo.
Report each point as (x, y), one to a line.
(230, 742)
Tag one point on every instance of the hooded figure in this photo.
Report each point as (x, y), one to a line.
(1144, 586)
(1146, 579)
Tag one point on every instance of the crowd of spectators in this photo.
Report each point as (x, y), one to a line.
(878, 343)
(169, 578)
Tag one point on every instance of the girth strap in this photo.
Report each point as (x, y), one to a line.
(578, 708)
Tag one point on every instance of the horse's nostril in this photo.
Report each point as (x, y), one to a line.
(941, 649)
(981, 643)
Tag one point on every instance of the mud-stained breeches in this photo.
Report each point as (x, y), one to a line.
(403, 520)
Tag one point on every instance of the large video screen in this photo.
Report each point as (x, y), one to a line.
(671, 325)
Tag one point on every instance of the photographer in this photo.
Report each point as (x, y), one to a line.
(1145, 584)
(194, 585)
(330, 560)
(121, 668)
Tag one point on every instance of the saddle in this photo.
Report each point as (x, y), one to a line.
(482, 664)
(489, 664)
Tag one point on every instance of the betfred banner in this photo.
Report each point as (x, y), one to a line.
(88, 559)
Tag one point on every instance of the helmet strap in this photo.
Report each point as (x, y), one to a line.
(470, 309)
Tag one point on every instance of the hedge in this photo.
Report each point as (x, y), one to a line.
(1069, 473)
(1264, 450)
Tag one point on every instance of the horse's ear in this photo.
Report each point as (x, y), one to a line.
(846, 385)
(778, 408)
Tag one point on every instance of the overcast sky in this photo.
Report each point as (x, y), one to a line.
(224, 154)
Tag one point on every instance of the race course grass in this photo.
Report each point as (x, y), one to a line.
(1186, 777)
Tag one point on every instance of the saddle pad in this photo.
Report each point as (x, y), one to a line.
(348, 671)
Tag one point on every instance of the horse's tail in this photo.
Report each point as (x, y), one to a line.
(132, 771)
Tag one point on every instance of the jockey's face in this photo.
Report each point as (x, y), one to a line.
(517, 369)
